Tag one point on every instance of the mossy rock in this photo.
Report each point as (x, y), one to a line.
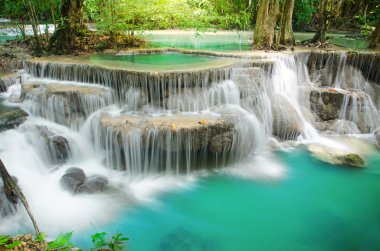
(352, 159)
(11, 117)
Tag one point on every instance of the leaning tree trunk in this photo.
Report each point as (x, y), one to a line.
(267, 17)
(286, 30)
(375, 38)
(63, 40)
(12, 191)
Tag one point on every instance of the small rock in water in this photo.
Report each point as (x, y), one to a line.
(337, 156)
(93, 184)
(75, 181)
(72, 179)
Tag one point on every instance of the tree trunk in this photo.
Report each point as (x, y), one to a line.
(375, 38)
(320, 36)
(63, 39)
(286, 32)
(12, 191)
(267, 17)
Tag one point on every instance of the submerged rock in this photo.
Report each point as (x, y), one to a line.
(11, 117)
(337, 156)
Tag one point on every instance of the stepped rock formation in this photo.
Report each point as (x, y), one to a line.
(135, 142)
(66, 104)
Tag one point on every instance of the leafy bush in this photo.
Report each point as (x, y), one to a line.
(303, 13)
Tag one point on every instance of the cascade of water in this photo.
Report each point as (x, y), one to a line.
(65, 103)
(171, 123)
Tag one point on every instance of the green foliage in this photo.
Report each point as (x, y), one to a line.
(7, 243)
(115, 244)
(3, 240)
(130, 15)
(40, 238)
(17, 10)
(98, 240)
(303, 13)
(62, 242)
(13, 245)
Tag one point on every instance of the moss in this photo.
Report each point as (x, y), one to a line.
(353, 159)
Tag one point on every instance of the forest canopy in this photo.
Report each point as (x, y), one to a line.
(170, 14)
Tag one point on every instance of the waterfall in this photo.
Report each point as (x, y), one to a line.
(132, 126)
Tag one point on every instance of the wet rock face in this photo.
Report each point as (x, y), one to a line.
(326, 104)
(75, 181)
(65, 104)
(330, 105)
(377, 135)
(175, 143)
(11, 117)
(5, 83)
(287, 124)
(58, 146)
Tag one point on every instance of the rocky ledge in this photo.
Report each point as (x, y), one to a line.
(341, 110)
(64, 103)
(203, 131)
(167, 142)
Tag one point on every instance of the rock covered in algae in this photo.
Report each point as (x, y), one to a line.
(11, 117)
(337, 156)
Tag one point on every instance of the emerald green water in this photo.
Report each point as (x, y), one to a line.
(316, 207)
(168, 61)
(154, 59)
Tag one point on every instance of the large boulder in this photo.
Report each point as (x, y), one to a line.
(337, 156)
(11, 117)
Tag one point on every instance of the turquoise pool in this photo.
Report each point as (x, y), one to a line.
(316, 207)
